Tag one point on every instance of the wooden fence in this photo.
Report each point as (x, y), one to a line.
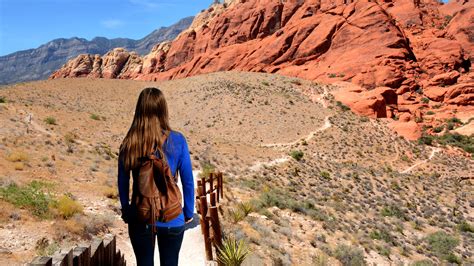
(207, 208)
(100, 252)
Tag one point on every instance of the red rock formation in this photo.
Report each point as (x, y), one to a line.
(408, 47)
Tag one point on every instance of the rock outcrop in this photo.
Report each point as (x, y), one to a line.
(413, 50)
(40, 63)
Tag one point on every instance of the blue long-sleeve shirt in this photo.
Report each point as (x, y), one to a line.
(177, 155)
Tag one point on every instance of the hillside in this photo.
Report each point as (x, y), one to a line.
(39, 63)
(416, 53)
(315, 175)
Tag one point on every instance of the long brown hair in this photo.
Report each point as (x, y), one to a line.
(146, 131)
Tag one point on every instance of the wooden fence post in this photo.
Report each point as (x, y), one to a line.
(213, 199)
(42, 261)
(207, 238)
(216, 226)
(203, 185)
(221, 186)
(97, 252)
(82, 256)
(211, 182)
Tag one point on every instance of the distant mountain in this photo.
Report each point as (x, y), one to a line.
(39, 63)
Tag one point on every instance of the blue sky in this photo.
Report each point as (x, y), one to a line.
(26, 24)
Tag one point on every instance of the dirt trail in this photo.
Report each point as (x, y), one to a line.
(317, 98)
(433, 153)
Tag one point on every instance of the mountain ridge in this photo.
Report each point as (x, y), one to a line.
(39, 63)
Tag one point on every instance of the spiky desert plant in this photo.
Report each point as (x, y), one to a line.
(232, 252)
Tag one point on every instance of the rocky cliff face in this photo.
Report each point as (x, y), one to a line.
(39, 63)
(416, 48)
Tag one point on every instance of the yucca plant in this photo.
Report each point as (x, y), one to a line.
(246, 208)
(232, 252)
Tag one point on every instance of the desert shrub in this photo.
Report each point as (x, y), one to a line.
(95, 117)
(422, 263)
(392, 210)
(296, 82)
(32, 197)
(206, 169)
(438, 129)
(67, 207)
(430, 113)
(425, 100)
(97, 224)
(3, 99)
(426, 139)
(265, 83)
(44, 248)
(441, 244)
(232, 252)
(50, 120)
(461, 141)
(465, 227)
(19, 166)
(332, 75)
(17, 156)
(342, 106)
(349, 256)
(70, 138)
(111, 192)
(325, 175)
(454, 120)
(381, 235)
(297, 155)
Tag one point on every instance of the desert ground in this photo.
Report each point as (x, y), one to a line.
(307, 181)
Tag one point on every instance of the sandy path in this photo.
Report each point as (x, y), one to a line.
(433, 153)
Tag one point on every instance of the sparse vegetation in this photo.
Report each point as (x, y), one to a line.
(206, 169)
(50, 120)
(464, 226)
(67, 207)
(17, 156)
(425, 100)
(233, 252)
(342, 106)
(297, 155)
(95, 117)
(349, 256)
(441, 244)
(3, 99)
(31, 196)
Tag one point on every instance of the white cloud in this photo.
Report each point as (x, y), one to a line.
(111, 23)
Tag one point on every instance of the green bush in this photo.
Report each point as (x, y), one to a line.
(95, 117)
(342, 106)
(381, 235)
(441, 244)
(438, 129)
(392, 210)
(465, 227)
(232, 252)
(31, 197)
(461, 141)
(426, 139)
(325, 175)
(50, 120)
(425, 100)
(297, 155)
(3, 99)
(349, 256)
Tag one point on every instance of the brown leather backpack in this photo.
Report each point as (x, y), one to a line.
(156, 193)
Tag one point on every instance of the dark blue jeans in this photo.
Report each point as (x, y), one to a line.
(143, 242)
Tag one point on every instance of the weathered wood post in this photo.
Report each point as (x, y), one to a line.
(82, 256)
(205, 227)
(216, 226)
(203, 184)
(213, 199)
(42, 261)
(221, 185)
(211, 182)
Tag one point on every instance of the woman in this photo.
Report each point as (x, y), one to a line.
(149, 128)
